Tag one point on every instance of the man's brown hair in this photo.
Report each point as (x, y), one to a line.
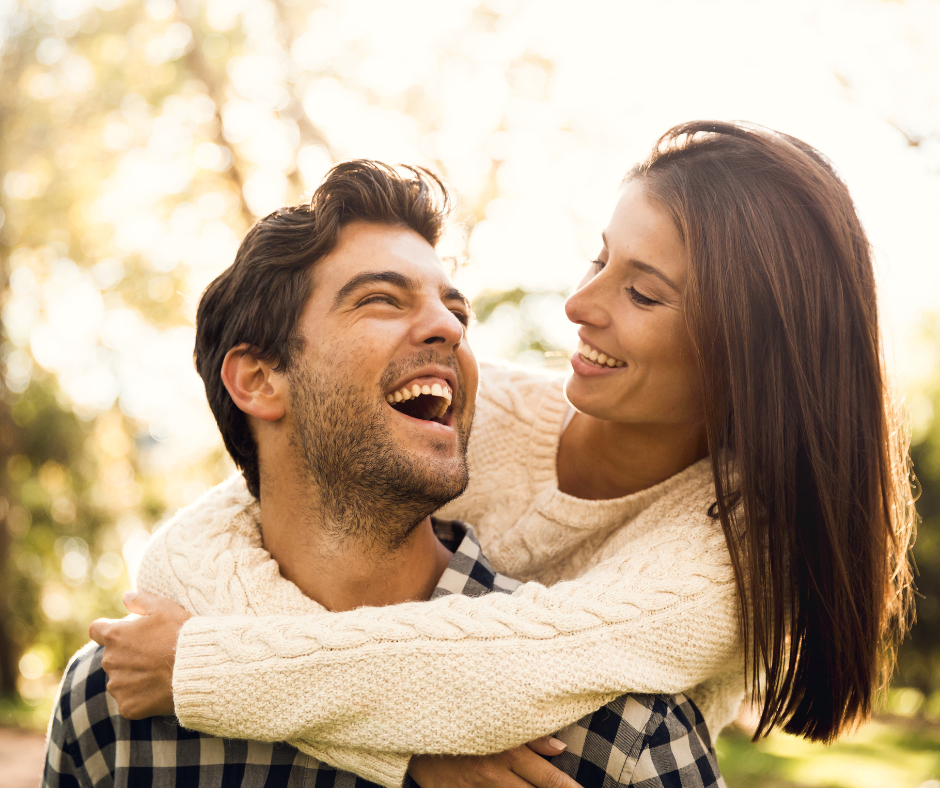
(258, 299)
(808, 453)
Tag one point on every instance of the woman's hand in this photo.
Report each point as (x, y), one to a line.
(521, 767)
(139, 653)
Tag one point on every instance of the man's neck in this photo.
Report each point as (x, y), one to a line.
(339, 570)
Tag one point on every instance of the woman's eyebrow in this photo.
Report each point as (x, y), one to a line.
(646, 267)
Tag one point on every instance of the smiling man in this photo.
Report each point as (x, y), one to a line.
(346, 478)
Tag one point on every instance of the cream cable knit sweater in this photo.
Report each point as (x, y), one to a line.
(632, 594)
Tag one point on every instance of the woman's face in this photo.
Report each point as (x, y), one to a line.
(629, 307)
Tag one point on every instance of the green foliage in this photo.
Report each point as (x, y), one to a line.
(62, 563)
(919, 657)
(896, 752)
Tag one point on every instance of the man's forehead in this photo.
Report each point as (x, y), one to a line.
(371, 248)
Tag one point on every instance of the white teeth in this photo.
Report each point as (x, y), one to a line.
(602, 359)
(435, 390)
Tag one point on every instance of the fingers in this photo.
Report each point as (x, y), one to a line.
(99, 631)
(494, 771)
(506, 779)
(140, 602)
(539, 772)
(547, 745)
(517, 768)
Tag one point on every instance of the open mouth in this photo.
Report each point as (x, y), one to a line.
(426, 399)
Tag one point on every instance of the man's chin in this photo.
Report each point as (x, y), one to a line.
(435, 444)
(441, 478)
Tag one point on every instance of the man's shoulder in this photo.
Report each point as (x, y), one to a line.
(81, 743)
(84, 683)
(195, 537)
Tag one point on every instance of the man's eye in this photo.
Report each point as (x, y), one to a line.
(463, 317)
(640, 299)
(379, 298)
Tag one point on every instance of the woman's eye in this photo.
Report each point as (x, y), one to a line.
(640, 299)
(598, 264)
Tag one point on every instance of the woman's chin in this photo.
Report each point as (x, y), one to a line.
(586, 396)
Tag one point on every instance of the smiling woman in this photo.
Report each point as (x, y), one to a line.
(630, 309)
(724, 509)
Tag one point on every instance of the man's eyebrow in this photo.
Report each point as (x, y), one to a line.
(647, 268)
(373, 277)
(453, 294)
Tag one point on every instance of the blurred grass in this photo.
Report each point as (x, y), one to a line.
(889, 752)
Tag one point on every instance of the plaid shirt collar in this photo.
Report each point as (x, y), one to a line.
(469, 572)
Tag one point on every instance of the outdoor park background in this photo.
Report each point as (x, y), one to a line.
(139, 140)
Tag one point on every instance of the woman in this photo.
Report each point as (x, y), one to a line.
(731, 439)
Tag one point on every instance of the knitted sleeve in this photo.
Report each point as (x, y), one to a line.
(466, 675)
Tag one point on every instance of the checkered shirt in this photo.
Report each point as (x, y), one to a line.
(649, 741)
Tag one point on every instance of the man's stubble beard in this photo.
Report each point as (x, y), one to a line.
(368, 488)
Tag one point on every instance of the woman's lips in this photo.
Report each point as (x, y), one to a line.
(586, 369)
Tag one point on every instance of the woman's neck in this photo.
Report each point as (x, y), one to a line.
(600, 459)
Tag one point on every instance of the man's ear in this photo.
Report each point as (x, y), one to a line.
(253, 385)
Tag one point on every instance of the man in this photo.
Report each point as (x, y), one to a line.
(335, 362)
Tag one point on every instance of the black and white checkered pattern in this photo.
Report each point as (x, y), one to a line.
(649, 741)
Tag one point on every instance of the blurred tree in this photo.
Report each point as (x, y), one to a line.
(139, 139)
(919, 658)
(138, 142)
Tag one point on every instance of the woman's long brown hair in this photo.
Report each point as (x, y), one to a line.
(809, 455)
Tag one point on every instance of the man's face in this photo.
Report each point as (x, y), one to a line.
(383, 327)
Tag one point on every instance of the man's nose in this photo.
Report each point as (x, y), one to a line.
(438, 325)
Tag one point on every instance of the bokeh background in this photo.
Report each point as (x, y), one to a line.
(140, 139)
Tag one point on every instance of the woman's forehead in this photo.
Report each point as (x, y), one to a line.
(641, 230)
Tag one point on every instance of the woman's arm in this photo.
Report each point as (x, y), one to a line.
(465, 675)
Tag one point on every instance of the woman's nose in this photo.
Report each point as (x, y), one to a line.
(585, 307)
